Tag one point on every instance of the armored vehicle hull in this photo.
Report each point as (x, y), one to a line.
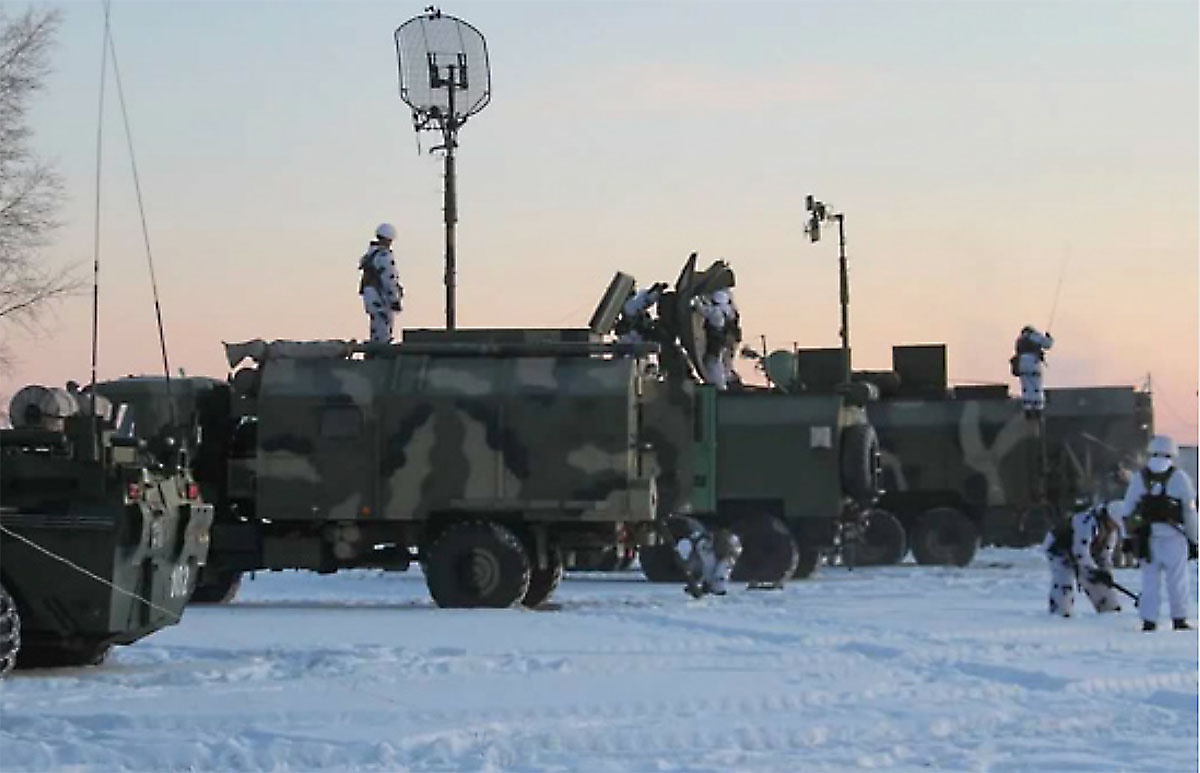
(101, 541)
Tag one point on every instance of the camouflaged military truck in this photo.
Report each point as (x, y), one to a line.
(102, 531)
(784, 468)
(484, 455)
(963, 466)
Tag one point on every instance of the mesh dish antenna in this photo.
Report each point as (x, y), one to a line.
(445, 79)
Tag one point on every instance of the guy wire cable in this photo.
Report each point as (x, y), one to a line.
(162, 340)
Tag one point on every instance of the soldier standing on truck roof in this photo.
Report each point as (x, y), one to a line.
(723, 332)
(635, 325)
(1081, 551)
(381, 291)
(1161, 507)
(1029, 363)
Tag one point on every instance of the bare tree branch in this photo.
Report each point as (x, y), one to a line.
(31, 191)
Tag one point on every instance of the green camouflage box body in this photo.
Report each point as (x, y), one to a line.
(422, 431)
(982, 456)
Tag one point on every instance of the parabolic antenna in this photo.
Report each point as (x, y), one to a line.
(445, 79)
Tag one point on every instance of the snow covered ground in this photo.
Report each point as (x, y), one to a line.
(900, 668)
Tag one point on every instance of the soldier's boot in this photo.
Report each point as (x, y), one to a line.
(1181, 624)
(1149, 625)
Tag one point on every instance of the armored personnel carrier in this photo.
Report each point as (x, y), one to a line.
(102, 530)
(963, 466)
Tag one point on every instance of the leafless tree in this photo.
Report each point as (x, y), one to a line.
(31, 191)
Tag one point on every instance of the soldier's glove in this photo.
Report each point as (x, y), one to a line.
(1192, 551)
(1101, 577)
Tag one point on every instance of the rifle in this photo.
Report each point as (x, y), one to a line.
(1104, 577)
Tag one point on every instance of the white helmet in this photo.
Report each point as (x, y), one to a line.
(386, 231)
(1162, 445)
(721, 297)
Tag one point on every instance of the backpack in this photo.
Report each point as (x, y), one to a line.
(1014, 364)
(371, 275)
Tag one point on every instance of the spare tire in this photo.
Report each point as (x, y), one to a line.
(477, 564)
(944, 537)
(859, 463)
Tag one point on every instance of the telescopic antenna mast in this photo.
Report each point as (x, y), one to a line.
(819, 212)
(445, 79)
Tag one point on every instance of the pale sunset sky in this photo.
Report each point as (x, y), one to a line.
(999, 163)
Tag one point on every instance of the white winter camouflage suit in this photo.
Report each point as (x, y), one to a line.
(1168, 543)
(1030, 367)
(708, 559)
(383, 299)
(1093, 537)
(719, 311)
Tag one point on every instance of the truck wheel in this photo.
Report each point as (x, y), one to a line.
(660, 563)
(883, 543)
(944, 536)
(859, 463)
(10, 632)
(769, 554)
(543, 582)
(477, 564)
(810, 558)
(218, 587)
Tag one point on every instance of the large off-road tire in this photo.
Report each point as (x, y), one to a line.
(769, 553)
(544, 581)
(944, 537)
(477, 564)
(807, 563)
(883, 543)
(52, 656)
(660, 563)
(218, 587)
(10, 632)
(859, 463)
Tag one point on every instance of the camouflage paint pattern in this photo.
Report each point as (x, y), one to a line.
(403, 436)
(984, 457)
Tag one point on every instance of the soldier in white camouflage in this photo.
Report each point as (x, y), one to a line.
(723, 330)
(1081, 553)
(1029, 364)
(1161, 507)
(379, 287)
(708, 557)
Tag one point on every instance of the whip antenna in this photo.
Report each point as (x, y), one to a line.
(445, 79)
(1062, 272)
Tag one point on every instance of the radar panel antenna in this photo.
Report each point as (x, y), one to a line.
(445, 79)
